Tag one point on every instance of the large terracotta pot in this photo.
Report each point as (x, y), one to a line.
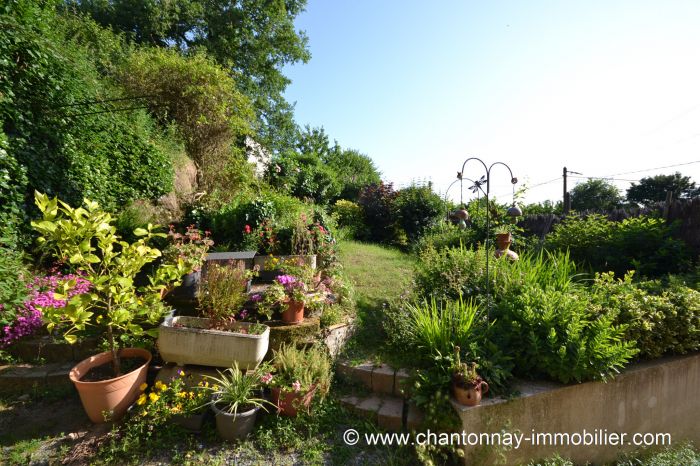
(289, 403)
(470, 396)
(294, 313)
(112, 396)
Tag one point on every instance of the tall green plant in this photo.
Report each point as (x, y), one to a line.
(85, 238)
(439, 328)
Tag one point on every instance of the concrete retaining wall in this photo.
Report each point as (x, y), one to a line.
(661, 396)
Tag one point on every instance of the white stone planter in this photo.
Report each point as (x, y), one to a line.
(262, 260)
(192, 344)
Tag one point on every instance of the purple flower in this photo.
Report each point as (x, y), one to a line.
(28, 316)
(257, 297)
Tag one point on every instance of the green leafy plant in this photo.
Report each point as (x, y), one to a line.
(191, 247)
(644, 244)
(84, 238)
(556, 335)
(661, 318)
(234, 391)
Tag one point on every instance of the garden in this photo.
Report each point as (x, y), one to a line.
(187, 276)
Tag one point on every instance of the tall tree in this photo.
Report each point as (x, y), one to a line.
(653, 188)
(254, 39)
(595, 195)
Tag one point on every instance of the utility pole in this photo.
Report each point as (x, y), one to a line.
(567, 198)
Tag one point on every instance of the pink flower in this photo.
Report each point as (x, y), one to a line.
(267, 378)
(247, 229)
(296, 386)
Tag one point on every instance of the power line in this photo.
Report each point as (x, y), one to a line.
(602, 178)
(651, 169)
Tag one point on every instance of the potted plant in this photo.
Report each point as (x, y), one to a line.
(467, 386)
(236, 400)
(180, 401)
(220, 337)
(85, 240)
(298, 374)
(288, 293)
(191, 247)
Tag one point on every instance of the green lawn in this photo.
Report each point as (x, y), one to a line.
(379, 274)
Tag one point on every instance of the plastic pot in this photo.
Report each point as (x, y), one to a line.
(111, 397)
(234, 426)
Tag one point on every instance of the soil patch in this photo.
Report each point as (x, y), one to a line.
(106, 370)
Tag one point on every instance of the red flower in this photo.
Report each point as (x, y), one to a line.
(247, 229)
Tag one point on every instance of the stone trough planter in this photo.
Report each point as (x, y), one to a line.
(193, 343)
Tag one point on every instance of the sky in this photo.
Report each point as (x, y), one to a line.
(601, 87)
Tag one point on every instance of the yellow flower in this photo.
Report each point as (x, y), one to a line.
(153, 397)
(161, 386)
(182, 395)
(215, 387)
(191, 395)
(143, 386)
(175, 409)
(141, 400)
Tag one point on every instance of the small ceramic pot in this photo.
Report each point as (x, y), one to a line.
(470, 396)
(190, 422)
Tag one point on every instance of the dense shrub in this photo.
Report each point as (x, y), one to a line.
(643, 244)
(14, 278)
(199, 96)
(661, 318)
(13, 183)
(554, 334)
(445, 235)
(377, 202)
(304, 176)
(69, 148)
(348, 215)
(418, 208)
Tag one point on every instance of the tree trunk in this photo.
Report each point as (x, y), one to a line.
(116, 362)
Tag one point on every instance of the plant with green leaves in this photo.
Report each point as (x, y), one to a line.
(234, 391)
(438, 328)
(85, 239)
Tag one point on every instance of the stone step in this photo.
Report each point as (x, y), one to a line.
(388, 412)
(24, 377)
(379, 378)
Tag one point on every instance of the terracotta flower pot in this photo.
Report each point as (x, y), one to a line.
(294, 314)
(111, 396)
(470, 396)
(289, 402)
(503, 240)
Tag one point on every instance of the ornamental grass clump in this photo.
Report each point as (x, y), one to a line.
(438, 328)
(85, 240)
(300, 370)
(234, 391)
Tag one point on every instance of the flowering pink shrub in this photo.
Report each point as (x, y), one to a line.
(28, 317)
